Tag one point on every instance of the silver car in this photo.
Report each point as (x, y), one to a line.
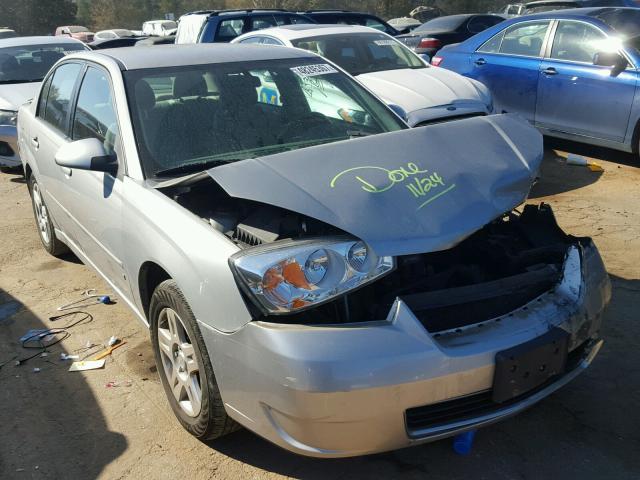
(24, 61)
(297, 275)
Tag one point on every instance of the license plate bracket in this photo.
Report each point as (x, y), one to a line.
(526, 366)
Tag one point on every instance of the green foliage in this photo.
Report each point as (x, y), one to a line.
(37, 17)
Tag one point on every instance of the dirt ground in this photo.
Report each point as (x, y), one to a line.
(57, 424)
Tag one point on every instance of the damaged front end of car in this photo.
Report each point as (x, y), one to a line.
(397, 301)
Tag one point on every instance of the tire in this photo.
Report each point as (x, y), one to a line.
(177, 343)
(46, 231)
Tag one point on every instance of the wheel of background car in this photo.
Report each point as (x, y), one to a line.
(47, 234)
(298, 127)
(184, 366)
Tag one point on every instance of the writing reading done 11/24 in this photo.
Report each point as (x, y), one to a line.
(419, 183)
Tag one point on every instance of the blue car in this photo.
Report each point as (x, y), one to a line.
(572, 73)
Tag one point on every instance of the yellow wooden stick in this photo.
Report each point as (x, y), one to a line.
(108, 351)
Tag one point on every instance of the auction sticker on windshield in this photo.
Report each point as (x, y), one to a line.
(382, 43)
(305, 71)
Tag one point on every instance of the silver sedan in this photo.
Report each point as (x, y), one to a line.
(298, 276)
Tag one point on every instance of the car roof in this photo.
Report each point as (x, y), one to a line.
(294, 32)
(20, 41)
(591, 12)
(159, 56)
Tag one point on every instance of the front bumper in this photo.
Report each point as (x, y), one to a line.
(344, 390)
(9, 146)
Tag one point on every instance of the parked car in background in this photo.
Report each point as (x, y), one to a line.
(114, 33)
(216, 26)
(7, 33)
(120, 42)
(159, 28)
(404, 24)
(75, 31)
(149, 41)
(340, 285)
(24, 61)
(551, 5)
(572, 73)
(347, 17)
(387, 68)
(431, 36)
(512, 10)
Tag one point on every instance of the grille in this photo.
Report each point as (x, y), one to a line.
(471, 406)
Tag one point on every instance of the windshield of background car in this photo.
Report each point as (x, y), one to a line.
(78, 29)
(361, 53)
(190, 118)
(441, 24)
(30, 63)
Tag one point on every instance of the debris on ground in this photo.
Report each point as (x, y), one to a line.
(121, 383)
(86, 365)
(580, 161)
(117, 343)
(64, 356)
(88, 298)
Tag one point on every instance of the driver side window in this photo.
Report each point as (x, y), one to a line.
(95, 116)
(577, 42)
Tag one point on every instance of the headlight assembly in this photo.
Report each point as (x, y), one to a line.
(8, 117)
(284, 277)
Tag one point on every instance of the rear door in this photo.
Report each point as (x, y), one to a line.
(50, 131)
(578, 97)
(509, 65)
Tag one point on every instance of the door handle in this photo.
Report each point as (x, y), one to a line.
(480, 61)
(550, 71)
(67, 171)
(35, 143)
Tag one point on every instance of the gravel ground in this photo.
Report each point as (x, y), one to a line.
(57, 424)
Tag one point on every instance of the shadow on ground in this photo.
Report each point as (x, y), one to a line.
(51, 424)
(587, 430)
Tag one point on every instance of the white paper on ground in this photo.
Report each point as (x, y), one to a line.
(86, 365)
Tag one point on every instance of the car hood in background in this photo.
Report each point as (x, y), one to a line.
(416, 89)
(450, 181)
(13, 95)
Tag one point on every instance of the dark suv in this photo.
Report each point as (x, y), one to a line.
(215, 26)
(348, 17)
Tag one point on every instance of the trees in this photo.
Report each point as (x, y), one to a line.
(37, 17)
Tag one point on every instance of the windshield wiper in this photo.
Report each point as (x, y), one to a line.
(191, 167)
(357, 133)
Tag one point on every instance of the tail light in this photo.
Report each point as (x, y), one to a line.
(436, 61)
(429, 43)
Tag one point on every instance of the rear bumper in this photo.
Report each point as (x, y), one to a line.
(345, 390)
(9, 146)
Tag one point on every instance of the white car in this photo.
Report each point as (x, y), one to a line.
(113, 33)
(394, 73)
(159, 28)
(24, 61)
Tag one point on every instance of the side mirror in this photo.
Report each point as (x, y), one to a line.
(614, 60)
(87, 154)
(398, 110)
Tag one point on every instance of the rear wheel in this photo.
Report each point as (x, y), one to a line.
(43, 221)
(184, 365)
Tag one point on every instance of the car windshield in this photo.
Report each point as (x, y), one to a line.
(625, 22)
(190, 118)
(77, 29)
(442, 24)
(361, 53)
(30, 63)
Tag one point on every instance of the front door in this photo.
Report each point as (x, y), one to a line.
(509, 65)
(577, 97)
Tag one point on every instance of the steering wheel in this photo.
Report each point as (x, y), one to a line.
(296, 128)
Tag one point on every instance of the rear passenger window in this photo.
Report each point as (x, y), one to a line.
(373, 23)
(265, 21)
(229, 29)
(577, 42)
(295, 20)
(493, 44)
(524, 39)
(56, 112)
(95, 116)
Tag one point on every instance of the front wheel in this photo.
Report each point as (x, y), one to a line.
(43, 221)
(184, 365)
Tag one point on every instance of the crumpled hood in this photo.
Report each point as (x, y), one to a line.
(450, 180)
(421, 88)
(12, 96)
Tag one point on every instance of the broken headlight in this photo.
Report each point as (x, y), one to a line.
(291, 276)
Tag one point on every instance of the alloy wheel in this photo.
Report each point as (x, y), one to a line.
(180, 362)
(42, 216)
